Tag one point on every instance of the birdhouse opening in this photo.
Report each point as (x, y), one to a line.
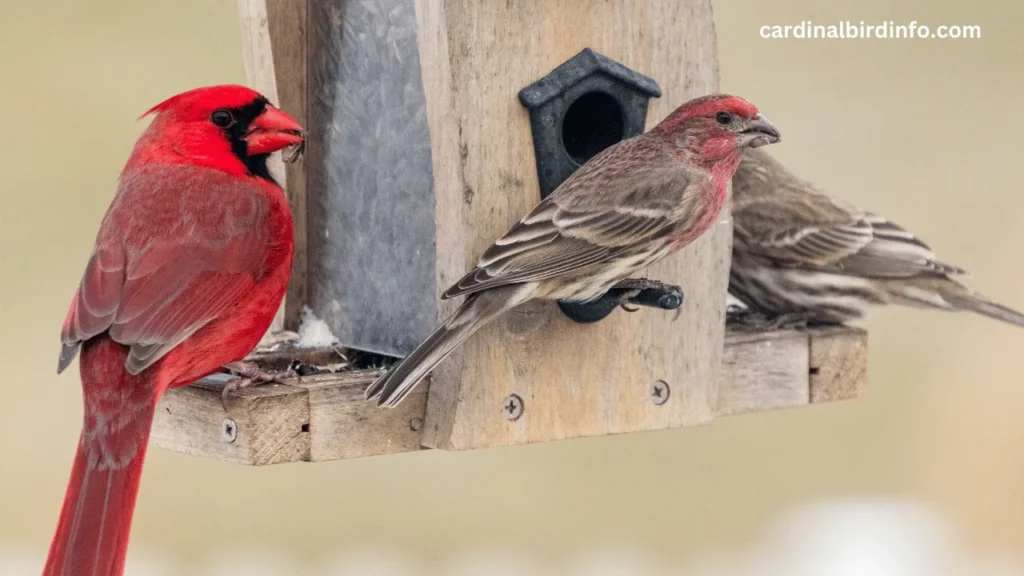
(592, 123)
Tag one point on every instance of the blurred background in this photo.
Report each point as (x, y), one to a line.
(923, 476)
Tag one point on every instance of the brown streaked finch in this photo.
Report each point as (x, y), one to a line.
(800, 256)
(628, 207)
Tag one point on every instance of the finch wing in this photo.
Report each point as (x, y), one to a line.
(159, 274)
(894, 252)
(790, 223)
(807, 230)
(602, 212)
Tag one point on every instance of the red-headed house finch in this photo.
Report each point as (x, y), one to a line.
(801, 256)
(190, 265)
(629, 206)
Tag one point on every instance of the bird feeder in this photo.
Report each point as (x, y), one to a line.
(435, 125)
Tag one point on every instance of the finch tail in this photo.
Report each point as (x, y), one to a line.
(982, 305)
(948, 294)
(479, 309)
(95, 521)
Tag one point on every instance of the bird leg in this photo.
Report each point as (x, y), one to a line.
(250, 374)
(756, 320)
(643, 284)
(792, 321)
(645, 292)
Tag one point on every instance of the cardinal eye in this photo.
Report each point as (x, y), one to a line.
(222, 118)
(723, 118)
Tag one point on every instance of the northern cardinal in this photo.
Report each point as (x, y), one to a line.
(628, 207)
(800, 256)
(190, 265)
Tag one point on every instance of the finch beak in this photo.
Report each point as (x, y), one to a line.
(759, 132)
(273, 130)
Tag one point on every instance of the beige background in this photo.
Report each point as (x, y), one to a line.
(928, 132)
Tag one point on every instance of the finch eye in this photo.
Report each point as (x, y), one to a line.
(222, 118)
(723, 118)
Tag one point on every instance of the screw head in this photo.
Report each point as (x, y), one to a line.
(416, 424)
(513, 407)
(659, 392)
(228, 430)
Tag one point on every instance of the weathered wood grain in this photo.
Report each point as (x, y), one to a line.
(325, 417)
(839, 364)
(270, 423)
(274, 54)
(344, 425)
(475, 58)
(764, 372)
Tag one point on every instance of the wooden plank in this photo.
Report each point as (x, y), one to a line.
(325, 417)
(764, 372)
(838, 364)
(343, 425)
(263, 425)
(274, 54)
(448, 153)
(606, 378)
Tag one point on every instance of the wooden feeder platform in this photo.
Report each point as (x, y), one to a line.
(325, 417)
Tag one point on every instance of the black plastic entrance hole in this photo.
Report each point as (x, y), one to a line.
(587, 104)
(592, 123)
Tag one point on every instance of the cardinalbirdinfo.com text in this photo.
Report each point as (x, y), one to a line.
(848, 30)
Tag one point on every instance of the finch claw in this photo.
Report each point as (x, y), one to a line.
(646, 292)
(625, 299)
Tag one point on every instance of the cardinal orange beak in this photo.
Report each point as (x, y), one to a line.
(273, 130)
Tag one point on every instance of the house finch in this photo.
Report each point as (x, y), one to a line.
(799, 256)
(631, 205)
(190, 265)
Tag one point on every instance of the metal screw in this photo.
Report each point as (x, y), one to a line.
(416, 424)
(513, 407)
(228, 430)
(659, 392)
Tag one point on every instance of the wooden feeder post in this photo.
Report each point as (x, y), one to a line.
(421, 152)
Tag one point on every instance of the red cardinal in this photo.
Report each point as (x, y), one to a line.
(631, 205)
(190, 265)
